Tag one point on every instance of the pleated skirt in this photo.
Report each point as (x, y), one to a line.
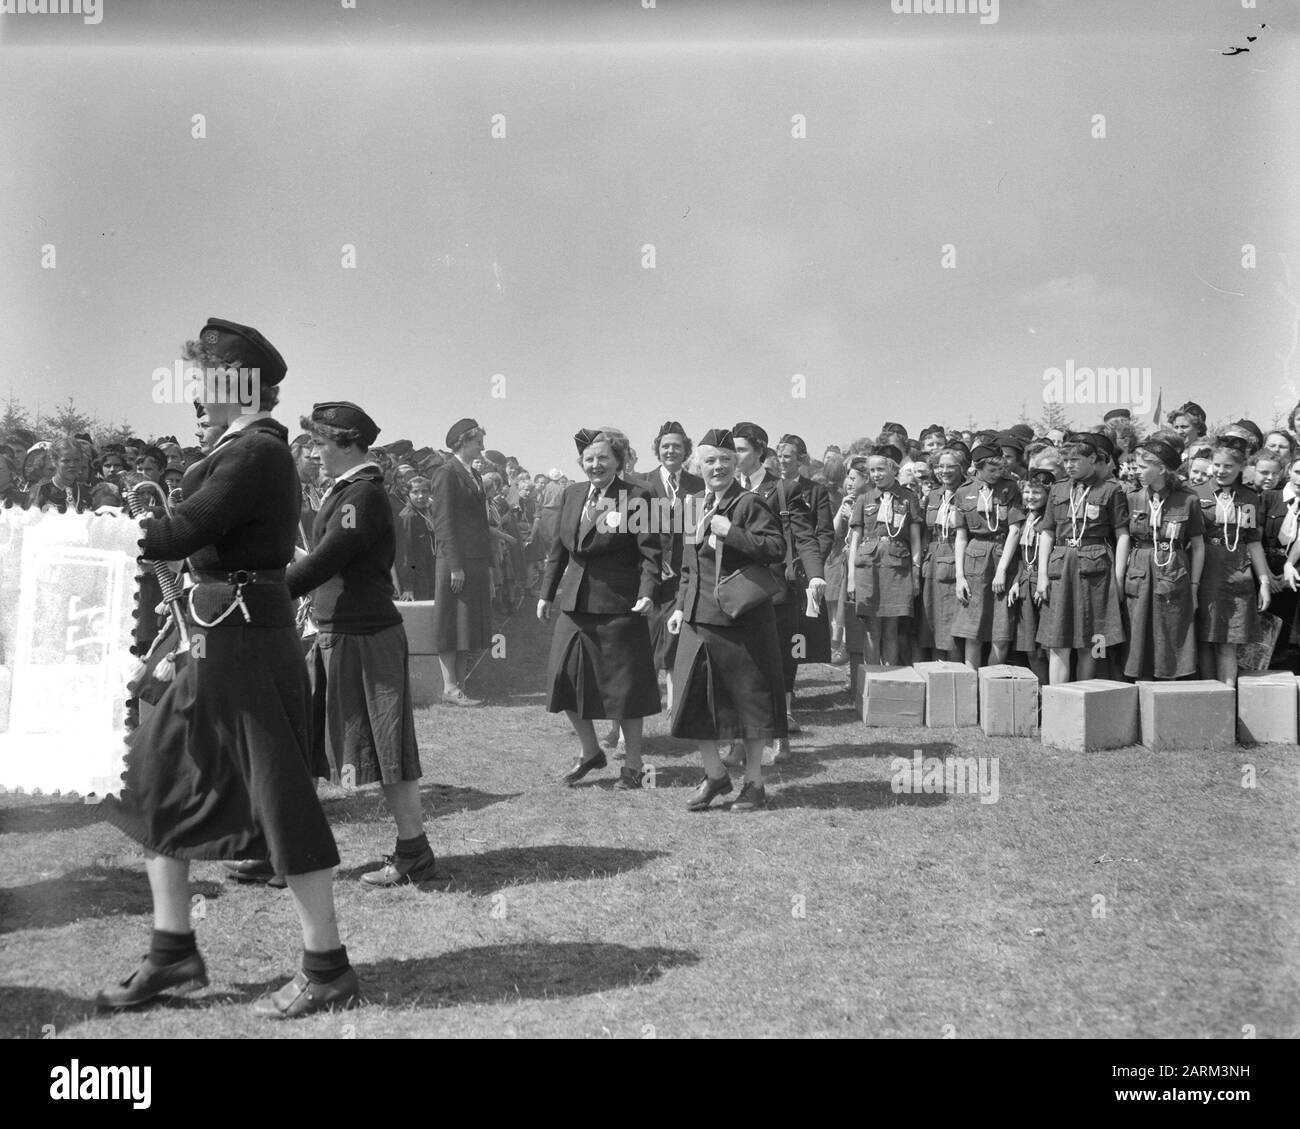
(1082, 608)
(1158, 598)
(728, 681)
(462, 621)
(985, 616)
(939, 596)
(222, 767)
(602, 666)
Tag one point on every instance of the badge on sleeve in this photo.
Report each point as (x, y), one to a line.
(1092, 511)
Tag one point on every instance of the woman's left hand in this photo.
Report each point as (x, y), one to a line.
(1264, 595)
(999, 583)
(642, 606)
(543, 610)
(720, 526)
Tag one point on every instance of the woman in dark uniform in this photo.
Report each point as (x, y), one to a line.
(1166, 555)
(415, 563)
(361, 690)
(222, 769)
(603, 568)
(462, 536)
(1281, 534)
(938, 566)
(728, 673)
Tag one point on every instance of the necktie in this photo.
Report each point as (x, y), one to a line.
(589, 510)
(744, 481)
(672, 488)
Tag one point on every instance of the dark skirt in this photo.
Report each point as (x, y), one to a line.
(222, 768)
(836, 566)
(1024, 611)
(727, 681)
(882, 578)
(985, 616)
(1228, 608)
(1161, 642)
(662, 641)
(939, 596)
(804, 639)
(361, 707)
(602, 666)
(462, 621)
(1082, 601)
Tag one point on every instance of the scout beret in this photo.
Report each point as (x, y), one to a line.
(1117, 413)
(1010, 439)
(1163, 450)
(1087, 439)
(795, 442)
(1022, 431)
(982, 451)
(887, 451)
(1042, 477)
(959, 447)
(495, 457)
(399, 447)
(898, 427)
(933, 429)
(585, 437)
(1253, 428)
(344, 414)
(721, 437)
(751, 433)
(229, 341)
(1238, 443)
(459, 430)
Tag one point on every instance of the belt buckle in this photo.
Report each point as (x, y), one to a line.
(241, 576)
(1072, 542)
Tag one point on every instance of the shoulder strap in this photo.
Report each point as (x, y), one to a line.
(786, 531)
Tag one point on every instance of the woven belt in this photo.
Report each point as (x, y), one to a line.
(243, 576)
(1084, 541)
(987, 536)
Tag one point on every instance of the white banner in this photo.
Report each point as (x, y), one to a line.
(67, 603)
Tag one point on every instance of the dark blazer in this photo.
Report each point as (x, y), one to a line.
(595, 568)
(671, 538)
(802, 521)
(460, 523)
(755, 538)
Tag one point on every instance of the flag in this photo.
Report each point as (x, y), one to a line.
(1155, 418)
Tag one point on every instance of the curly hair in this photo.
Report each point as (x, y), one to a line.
(339, 436)
(268, 395)
(618, 444)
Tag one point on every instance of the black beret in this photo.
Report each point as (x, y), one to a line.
(983, 451)
(1010, 439)
(1023, 431)
(887, 451)
(230, 342)
(933, 429)
(795, 442)
(751, 433)
(495, 457)
(1251, 426)
(1238, 443)
(1163, 450)
(1042, 477)
(719, 437)
(583, 439)
(399, 447)
(958, 446)
(1088, 439)
(1117, 413)
(898, 427)
(344, 414)
(459, 430)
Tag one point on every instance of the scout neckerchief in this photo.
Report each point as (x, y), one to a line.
(1224, 516)
(946, 510)
(1078, 505)
(1029, 537)
(1155, 513)
(1290, 529)
(988, 507)
(886, 514)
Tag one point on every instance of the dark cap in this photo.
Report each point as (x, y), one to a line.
(1251, 426)
(343, 413)
(1092, 439)
(958, 446)
(459, 430)
(398, 448)
(898, 427)
(229, 341)
(1010, 439)
(1117, 413)
(1238, 443)
(751, 433)
(887, 451)
(795, 442)
(670, 427)
(1163, 450)
(495, 457)
(1041, 477)
(982, 451)
(584, 438)
(719, 437)
(1022, 431)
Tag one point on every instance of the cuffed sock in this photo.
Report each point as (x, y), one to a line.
(168, 948)
(412, 848)
(324, 967)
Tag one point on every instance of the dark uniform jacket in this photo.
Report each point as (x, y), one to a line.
(603, 565)
(460, 524)
(671, 531)
(755, 537)
(801, 520)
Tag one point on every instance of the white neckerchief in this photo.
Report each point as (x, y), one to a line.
(1290, 529)
(1224, 515)
(667, 478)
(350, 474)
(238, 424)
(946, 509)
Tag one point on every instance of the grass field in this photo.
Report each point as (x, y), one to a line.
(1108, 895)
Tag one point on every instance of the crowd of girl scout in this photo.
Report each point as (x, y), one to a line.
(1094, 553)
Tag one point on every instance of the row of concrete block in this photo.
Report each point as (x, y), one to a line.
(1094, 714)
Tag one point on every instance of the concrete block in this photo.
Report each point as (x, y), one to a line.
(1266, 707)
(951, 694)
(417, 618)
(1093, 714)
(1187, 715)
(893, 695)
(1008, 701)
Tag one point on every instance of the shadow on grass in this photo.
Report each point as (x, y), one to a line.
(490, 871)
(50, 815)
(91, 891)
(437, 800)
(856, 795)
(25, 1012)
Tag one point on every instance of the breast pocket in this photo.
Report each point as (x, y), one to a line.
(1172, 579)
(1135, 577)
(1094, 560)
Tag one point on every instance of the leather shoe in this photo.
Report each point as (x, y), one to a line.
(255, 871)
(735, 756)
(301, 997)
(629, 780)
(457, 697)
(398, 871)
(705, 792)
(752, 797)
(581, 768)
(151, 980)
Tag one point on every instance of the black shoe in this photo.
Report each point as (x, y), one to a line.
(629, 780)
(151, 980)
(705, 792)
(581, 768)
(301, 997)
(752, 797)
(398, 871)
(255, 871)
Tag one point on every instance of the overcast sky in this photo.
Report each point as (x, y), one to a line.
(774, 255)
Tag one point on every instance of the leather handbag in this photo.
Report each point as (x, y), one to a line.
(746, 588)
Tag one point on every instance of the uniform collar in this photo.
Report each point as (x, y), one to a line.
(355, 472)
(241, 423)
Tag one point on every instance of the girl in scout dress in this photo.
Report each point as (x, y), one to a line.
(939, 569)
(1166, 555)
(885, 548)
(1230, 599)
(1025, 595)
(988, 535)
(1281, 522)
(1082, 555)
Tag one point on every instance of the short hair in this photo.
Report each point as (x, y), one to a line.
(617, 441)
(61, 447)
(1290, 440)
(105, 494)
(934, 459)
(340, 436)
(419, 480)
(491, 478)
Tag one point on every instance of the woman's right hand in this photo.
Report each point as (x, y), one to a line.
(675, 623)
(407, 597)
(457, 579)
(963, 589)
(544, 610)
